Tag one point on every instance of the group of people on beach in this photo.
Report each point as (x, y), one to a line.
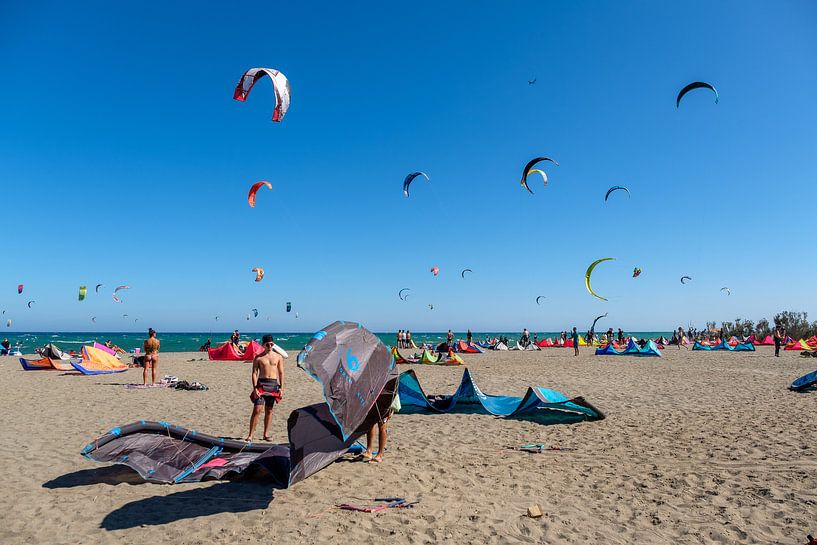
(404, 339)
(267, 389)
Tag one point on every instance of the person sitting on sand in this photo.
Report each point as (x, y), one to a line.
(6, 344)
(206, 346)
(151, 356)
(116, 349)
(575, 337)
(267, 385)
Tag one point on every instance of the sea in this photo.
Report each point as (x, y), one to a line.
(191, 342)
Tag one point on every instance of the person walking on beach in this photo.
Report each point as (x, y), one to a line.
(575, 338)
(469, 336)
(151, 347)
(681, 338)
(778, 340)
(267, 385)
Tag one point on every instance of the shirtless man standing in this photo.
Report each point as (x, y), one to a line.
(267, 385)
(151, 356)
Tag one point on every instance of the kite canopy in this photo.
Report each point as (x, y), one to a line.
(465, 271)
(692, 86)
(31, 303)
(537, 299)
(410, 178)
(82, 291)
(354, 367)
(537, 402)
(616, 188)
(687, 277)
(259, 273)
(529, 166)
(96, 362)
(400, 294)
(227, 352)
(435, 271)
(19, 289)
(254, 189)
(97, 287)
(289, 306)
(593, 327)
(114, 296)
(280, 85)
(636, 272)
(727, 290)
(590, 272)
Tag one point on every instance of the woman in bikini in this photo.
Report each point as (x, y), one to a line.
(151, 356)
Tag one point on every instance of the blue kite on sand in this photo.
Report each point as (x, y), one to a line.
(535, 402)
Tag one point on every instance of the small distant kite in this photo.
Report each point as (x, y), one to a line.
(8, 323)
(400, 294)
(248, 316)
(124, 316)
(254, 189)
(465, 271)
(532, 81)
(97, 287)
(539, 297)
(19, 289)
(687, 277)
(255, 312)
(82, 291)
(93, 319)
(289, 306)
(296, 315)
(31, 303)
(636, 272)
(692, 86)
(529, 166)
(431, 307)
(727, 290)
(435, 271)
(259, 273)
(590, 272)
(114, 296)
(616, 188)
(280, 84)
(410, 178)
(217, 318)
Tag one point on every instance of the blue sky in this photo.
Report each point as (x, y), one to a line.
(125, 161)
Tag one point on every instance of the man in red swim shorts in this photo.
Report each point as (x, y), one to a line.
(267, 385)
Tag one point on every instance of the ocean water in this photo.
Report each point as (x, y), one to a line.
(190, 342)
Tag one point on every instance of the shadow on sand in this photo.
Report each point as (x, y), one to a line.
(202, 500)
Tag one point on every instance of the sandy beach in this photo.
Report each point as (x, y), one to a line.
(696, 448)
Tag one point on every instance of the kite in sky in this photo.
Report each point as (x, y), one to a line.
(254, 189)
(616, 188)
(691, 87)
(280, 84)
(589, 272)
(529, 166)
(410, 178)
